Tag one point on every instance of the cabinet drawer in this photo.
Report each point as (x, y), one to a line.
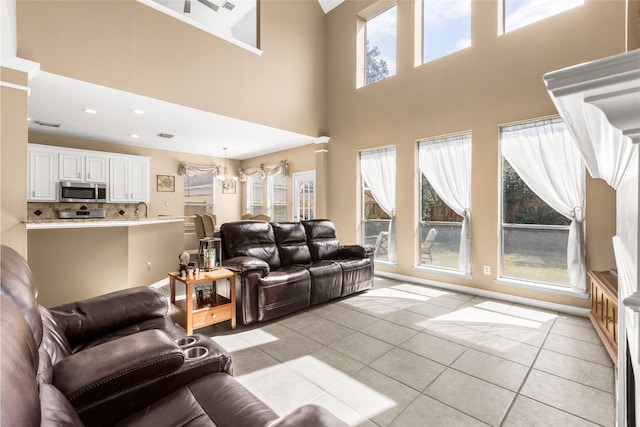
(212, 315)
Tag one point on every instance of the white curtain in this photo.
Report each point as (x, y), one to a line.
(378, 168)
(446, 163)
(549, 162)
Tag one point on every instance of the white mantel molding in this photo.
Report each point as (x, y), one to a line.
(611, 84)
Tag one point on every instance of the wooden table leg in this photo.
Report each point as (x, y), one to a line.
(172, 287)
(188, 308)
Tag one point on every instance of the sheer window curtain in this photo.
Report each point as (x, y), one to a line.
(549, 162)
(446, 163)
(378, 169)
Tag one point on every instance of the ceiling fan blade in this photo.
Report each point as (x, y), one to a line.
(210, 5)
(187, 6)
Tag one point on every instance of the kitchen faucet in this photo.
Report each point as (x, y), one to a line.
(146, 209)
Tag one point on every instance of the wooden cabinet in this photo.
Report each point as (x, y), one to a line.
(128, 179)
(41, 175)
(604, 309)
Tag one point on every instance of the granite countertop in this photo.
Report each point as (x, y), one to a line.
(99, 222)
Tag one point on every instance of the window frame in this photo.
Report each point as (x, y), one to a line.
(420, 25)
(556, 288)
(372, 11)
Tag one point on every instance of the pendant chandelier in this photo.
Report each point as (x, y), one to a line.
(223, 171)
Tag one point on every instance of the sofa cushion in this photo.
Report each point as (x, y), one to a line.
(291, 240)
(326, 281)
(283, 292)
(252, 239)
(216, 400)
(322, 239)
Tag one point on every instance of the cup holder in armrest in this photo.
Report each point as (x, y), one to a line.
(183, 342)
(196, 352)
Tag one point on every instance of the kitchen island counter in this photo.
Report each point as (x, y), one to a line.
(99, 222)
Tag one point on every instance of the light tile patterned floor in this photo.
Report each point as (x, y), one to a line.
(403, 354)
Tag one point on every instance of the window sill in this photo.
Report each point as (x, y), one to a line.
(442, 272)
(386, 263)
(558, 290)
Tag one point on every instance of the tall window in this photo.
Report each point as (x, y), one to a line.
(199, 198)
(445, 201)
(446, 27)
(518, 13)
(378, 169)
(277, 197)
(380, 46)
(542, 205)
(255, 195)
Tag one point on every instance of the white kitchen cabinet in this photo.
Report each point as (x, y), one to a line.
(76, 166)
(96, 168)
(41, 174)
(128, 179)
(70, 167)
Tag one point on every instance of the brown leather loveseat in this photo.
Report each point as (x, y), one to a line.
(283, 267)
(117, 359)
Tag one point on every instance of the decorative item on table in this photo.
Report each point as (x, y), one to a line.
(203, 294)
(210, 259)
(184, 258)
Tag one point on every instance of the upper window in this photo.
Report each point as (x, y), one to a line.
(542, 204)
(518, 13)
(380, 46)
(199, 198)
(277, 197)
(446, 27)
(255, 191)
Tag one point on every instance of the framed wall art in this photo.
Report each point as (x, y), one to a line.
(229, 186)
(166, 183)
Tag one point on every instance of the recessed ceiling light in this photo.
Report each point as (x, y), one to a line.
(134, 135)
(89, 111)
(138, 111)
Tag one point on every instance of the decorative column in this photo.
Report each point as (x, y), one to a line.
(322, 175)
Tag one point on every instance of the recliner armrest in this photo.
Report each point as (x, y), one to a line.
(91, 318)
(355, 251)
(242, 264)
(99, 372)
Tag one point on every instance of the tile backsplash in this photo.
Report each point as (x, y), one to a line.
(48, 211)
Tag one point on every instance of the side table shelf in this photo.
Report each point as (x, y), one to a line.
(218, 310)
(604, 310)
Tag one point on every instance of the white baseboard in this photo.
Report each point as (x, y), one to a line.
(569, 309)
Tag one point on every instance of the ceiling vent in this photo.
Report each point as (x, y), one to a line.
(165, 135)
(228, 6)
(47, 124)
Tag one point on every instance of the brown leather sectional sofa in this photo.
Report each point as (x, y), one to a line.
(283, 267)
(117, 359)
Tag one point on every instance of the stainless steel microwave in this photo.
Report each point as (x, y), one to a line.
(82, 192)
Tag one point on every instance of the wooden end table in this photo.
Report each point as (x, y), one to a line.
(219, 309)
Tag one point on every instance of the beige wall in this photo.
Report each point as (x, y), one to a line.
(13, 157)
(132, 47)
(496, 81)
